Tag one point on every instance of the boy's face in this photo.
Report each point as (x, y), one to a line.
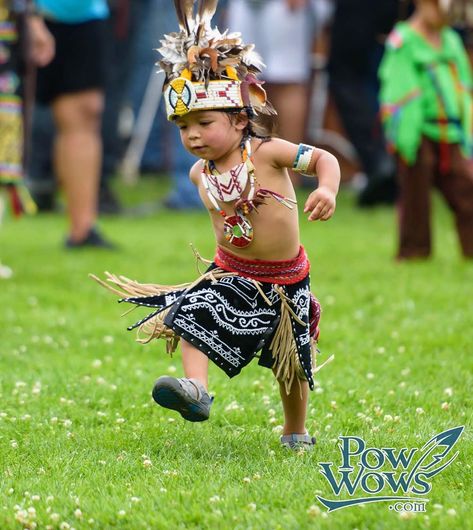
(210, 134)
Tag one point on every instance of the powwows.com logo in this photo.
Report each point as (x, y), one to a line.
(406, 473)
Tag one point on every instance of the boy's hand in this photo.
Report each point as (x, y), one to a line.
(321, 204)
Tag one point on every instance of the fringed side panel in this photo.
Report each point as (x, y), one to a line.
(123, 286)
(284, 350)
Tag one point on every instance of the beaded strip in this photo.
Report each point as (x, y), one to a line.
(303, 158)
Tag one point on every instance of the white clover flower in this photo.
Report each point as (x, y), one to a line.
(78, 513)
(120, 420)
(135, 499)
(35, 498)
(54, 517)
(247, 480)
(388, 418)
(21, 516)
(314, 510)
(96, 363)
(448, 392)
(369, 375)
(419, 410)
(147, 462)
(233, 406)
(163, 490)
(452, 512)
(445, 405)
(172, 369)
(214, 499)
(252, 507)
(14, 444)
(121, 513)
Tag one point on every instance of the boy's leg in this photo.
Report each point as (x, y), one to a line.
(187, 395)
(457, 188)
(414, 204)
(195, 363)
(295, 407)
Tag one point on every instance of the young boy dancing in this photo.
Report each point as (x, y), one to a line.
(255, 295)
(426, 84)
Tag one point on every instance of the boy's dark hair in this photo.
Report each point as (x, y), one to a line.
(262, 126)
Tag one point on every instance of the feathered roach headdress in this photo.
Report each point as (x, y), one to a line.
(206, 69)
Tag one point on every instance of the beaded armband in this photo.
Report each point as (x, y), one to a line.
(303, 158)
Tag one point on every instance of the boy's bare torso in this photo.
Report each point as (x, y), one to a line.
(275, 227)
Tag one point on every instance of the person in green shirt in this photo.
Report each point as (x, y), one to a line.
(426, 105)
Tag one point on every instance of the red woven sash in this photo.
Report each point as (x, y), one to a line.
(280, 272)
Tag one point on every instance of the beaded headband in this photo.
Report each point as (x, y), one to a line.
(206, 69)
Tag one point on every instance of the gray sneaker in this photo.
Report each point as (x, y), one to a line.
(298, 442)
(186, 396)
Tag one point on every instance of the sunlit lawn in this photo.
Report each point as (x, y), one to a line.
(83, 446)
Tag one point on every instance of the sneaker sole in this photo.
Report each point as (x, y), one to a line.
(169, 394)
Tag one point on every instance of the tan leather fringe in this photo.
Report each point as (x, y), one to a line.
(283, 346)
(154, 328)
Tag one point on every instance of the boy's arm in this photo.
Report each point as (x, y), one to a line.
(194, 173)
(311, 160)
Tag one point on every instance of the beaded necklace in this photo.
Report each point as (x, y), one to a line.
(229, 186)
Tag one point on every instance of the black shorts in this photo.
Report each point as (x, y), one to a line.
(229, 321)
(79, 63)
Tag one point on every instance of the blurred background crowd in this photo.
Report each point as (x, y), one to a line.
(80, 95)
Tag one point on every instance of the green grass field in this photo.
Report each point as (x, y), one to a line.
(83, 446)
